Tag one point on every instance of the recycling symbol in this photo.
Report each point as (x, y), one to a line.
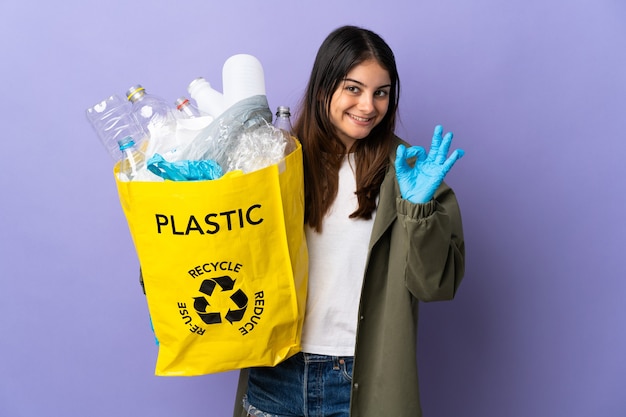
(203, 306)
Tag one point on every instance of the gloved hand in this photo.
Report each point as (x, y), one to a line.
(419, 183)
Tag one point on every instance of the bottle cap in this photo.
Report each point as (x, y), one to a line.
(181, 101)
(135, 92)
(284, 110)
(126, 143)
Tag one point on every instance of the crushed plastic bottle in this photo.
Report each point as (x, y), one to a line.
(112, 121)
(152, 112)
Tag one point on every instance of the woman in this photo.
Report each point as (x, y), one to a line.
(383, 231)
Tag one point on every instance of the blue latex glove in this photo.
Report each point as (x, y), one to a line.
(184, 170)
(419, 182)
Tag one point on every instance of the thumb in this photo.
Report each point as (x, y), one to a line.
(401, 164)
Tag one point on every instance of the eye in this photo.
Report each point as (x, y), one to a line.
(381, 93)
(353, 88)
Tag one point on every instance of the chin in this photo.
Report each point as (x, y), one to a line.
(362, 136)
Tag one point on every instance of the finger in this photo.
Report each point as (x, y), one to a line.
(436, 143)
(419, 153)
(444, 148)
(456, 155)
(401, 164)
(414, 151)
(403, 153)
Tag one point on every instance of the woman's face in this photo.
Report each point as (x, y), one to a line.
(360, 102)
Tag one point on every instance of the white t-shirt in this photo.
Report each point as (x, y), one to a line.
(337, 259)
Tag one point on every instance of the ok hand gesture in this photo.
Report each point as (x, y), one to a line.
(419, 182)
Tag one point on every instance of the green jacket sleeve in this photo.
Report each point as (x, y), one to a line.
(436, 249)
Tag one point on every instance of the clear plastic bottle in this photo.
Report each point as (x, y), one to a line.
(209, 100)
(283, 119)
(152, 112)
(113, 120)
(132, 159)
(283, 122)
(186, 108)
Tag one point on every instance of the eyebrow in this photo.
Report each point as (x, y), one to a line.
(360, 83)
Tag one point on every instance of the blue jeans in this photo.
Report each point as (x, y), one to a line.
(305, 385)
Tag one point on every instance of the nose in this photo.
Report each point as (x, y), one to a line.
(366, 103)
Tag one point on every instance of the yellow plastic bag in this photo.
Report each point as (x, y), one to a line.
(224, 266)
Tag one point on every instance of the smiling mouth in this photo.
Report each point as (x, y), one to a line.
(360, 119)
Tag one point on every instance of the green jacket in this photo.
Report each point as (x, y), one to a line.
(416, 253)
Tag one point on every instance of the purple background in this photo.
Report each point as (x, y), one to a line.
(534, 91)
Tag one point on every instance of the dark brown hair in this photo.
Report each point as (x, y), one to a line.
(345, 48)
